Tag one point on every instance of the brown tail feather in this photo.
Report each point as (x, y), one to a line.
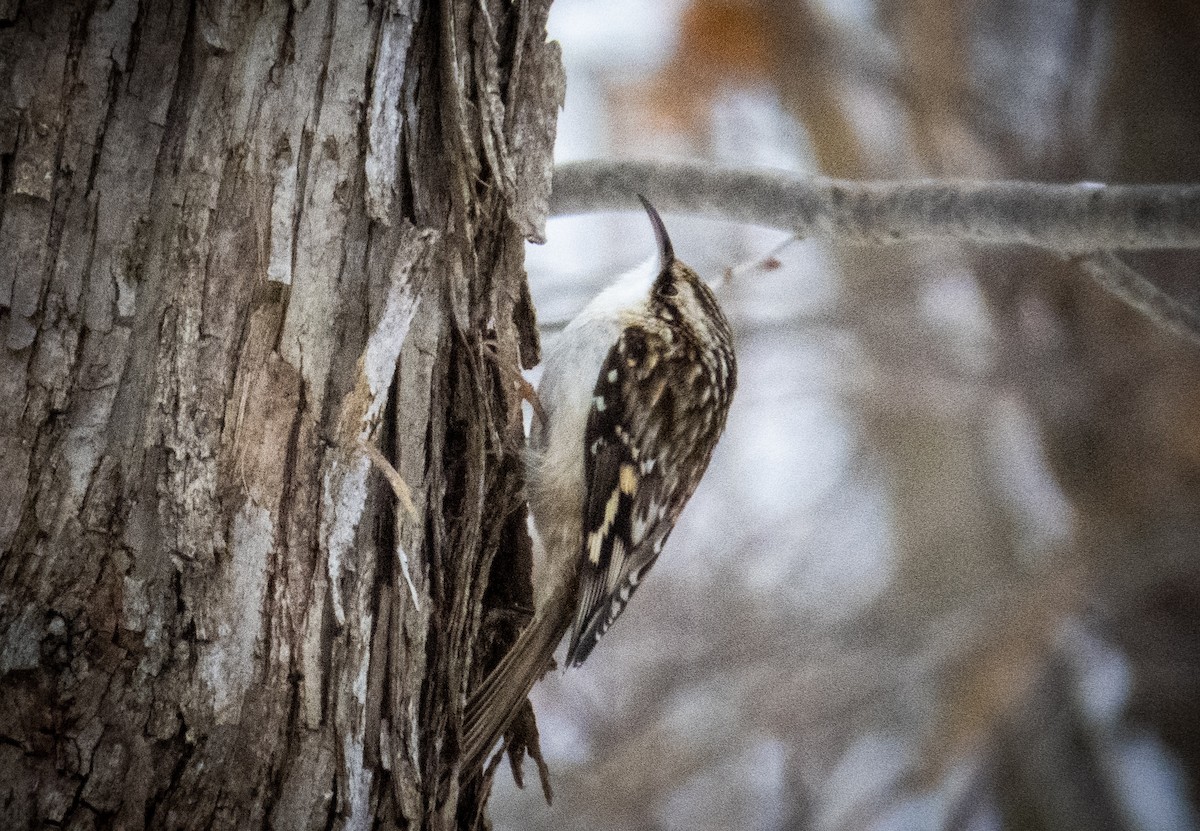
(491, 708)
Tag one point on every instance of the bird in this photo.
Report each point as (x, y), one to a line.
(634, 394)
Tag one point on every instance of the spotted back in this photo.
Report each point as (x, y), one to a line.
(659, 406)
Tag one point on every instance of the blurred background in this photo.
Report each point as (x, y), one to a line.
(943, 572)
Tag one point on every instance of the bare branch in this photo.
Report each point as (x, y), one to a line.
(1086, 219)
(1078, 218)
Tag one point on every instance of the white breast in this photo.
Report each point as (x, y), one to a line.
(554, 463)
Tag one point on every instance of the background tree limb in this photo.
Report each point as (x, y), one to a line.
(1085, 218)
(1076, 218)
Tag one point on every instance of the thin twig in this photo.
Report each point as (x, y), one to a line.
(1126, 283)
(766, 262)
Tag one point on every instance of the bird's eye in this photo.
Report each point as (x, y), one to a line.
(669, 290)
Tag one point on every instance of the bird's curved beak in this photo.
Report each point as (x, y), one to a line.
(666, 253)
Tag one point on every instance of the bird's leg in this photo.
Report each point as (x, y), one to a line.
(524, 389)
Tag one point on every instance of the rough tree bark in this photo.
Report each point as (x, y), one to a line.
(237, 242)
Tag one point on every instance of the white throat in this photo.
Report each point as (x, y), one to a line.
(625, 293)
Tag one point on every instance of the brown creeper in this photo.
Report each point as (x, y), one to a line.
(635, 391)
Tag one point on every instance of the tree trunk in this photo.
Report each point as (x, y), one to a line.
(238, 243)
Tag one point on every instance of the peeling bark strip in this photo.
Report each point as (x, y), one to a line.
(238, 244)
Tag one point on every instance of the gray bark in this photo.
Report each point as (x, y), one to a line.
(237, 243)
